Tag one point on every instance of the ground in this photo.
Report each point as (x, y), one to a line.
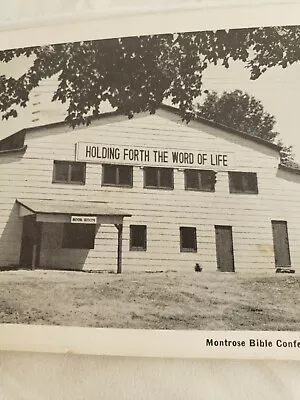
(166, 300)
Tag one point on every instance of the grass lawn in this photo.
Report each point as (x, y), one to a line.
(169, 300)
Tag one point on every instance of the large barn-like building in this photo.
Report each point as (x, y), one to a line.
(147, 194)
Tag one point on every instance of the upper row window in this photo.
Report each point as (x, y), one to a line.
(155, 178)
(158, 178)
(69, 172)
(117, 175)
(200, 180)
(121, 175)
(243, 182)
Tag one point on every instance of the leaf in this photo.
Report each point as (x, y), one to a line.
(137, 74)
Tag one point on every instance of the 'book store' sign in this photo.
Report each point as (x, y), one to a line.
(81, 219)
(99, 153)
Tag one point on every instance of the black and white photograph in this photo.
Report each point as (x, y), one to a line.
(152, 182)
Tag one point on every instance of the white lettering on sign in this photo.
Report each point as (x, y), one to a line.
(77, 219)
(99, 153)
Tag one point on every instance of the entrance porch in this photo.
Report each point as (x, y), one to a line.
(72, 225)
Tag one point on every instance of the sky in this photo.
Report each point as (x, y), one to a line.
(278, 90)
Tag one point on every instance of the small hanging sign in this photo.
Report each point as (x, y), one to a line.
(81, 219)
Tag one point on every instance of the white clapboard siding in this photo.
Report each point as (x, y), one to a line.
(163, 211)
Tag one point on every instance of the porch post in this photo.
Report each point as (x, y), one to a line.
(120, 237)
(38, 244)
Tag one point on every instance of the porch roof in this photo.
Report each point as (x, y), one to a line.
(70, 207)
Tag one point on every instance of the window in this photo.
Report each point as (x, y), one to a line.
(188, 239)
(117, 175)
(243, 182)
(200, 180)
(69, 172)
(78, 236)
(138, 237)
(158, 178)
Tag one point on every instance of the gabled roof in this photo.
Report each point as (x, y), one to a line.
(164, 107)
(225, 128)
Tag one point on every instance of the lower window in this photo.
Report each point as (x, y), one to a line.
(138, 237)
(78, 236)
(188, 239)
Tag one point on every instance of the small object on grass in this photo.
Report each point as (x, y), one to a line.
(198, 267)
(285, 270)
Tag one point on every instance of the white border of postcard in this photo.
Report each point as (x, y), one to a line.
(151, 343)
(136, 342)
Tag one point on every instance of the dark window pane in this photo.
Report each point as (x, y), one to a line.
(69, 172)
(200, 180)
(117, 175)
(78, 236)
(166, 178)
(138, 238)
(158, 178)
(188, 239)
(77, 172)
(109, 174)
(236, 181)
(191, 179)
(207, 179)
(243, 182)
(125, 175)
(151, 177)
(251, 182)
(61, 171)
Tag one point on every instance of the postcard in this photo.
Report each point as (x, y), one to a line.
(150, 191)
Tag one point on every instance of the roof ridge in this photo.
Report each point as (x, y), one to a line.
(167, 108)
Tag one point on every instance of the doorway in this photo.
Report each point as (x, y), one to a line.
(281, 244)
(224, 248)
(31, 242)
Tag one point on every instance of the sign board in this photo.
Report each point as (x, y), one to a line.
(80, 219)
(157, 157)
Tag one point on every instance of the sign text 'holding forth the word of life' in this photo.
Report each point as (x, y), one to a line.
(88, 152)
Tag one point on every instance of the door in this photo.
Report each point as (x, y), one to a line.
(281, 244)
(29, 240)
(224, 248)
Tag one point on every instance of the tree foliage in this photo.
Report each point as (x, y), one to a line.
(241, 111)
(137, 73)
(287, 155)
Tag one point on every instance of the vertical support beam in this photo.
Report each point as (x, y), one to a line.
(33, 258)
(38, 244)
(33, 236)
(120, 242)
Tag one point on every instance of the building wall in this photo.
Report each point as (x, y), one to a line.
(163, 211)
(286, 203)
